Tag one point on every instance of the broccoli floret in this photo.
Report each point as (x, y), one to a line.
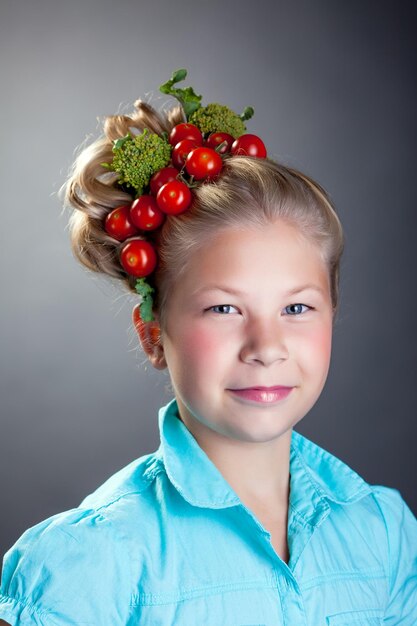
(218, 118)
(137, 158)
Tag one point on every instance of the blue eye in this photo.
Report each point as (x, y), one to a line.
(298, 305)
(220, 306)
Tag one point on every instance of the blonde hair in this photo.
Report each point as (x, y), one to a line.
(249, 192)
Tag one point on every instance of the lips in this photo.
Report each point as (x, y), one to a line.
(264, 388)
(262, 395)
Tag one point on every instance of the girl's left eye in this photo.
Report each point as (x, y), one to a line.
(298, 305)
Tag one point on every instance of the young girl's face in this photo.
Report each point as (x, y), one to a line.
(253, 309)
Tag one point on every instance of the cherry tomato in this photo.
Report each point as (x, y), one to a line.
(138, 258)
(161, 177)
(249, 145)
(181, 151)
(118, 223)
(174, 197)
(145, 214)
(215, 139)
(185, 131)
(203, 163)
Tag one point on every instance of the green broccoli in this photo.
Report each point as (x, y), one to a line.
(218, 118)
(137, 158)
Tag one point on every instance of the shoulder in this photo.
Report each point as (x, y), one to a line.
(83, 552)
(391, 504)
(389, 517)
(63, 557)
(133, 479)
(383, 531)
(376, 513)
(398, 520)
(400, 526)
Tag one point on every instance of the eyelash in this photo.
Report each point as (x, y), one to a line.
(287, 307)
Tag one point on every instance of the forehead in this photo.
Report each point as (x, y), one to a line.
(276, 254)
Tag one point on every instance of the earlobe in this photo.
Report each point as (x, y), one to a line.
(150, 338)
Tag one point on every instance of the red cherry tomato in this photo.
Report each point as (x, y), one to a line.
(203, 163)
(161, 177)
(249, 145)
(118, 223)
(215, 139)
(145, 214)
(174, 197)
(181, 151)
(185, 131)
(138, 258)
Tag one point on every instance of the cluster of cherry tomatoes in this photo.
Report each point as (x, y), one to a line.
(169, 193)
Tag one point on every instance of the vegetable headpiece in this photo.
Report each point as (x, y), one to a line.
(160, 171)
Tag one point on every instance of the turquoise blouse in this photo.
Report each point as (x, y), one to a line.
(167, 541)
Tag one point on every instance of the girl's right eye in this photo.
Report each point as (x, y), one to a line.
(220, 306)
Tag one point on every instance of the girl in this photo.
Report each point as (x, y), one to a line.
(236, 519)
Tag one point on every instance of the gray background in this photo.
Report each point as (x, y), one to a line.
(332, 84)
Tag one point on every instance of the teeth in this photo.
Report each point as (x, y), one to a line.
(267, 396)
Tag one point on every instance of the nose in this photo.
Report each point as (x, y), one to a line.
(265, 342)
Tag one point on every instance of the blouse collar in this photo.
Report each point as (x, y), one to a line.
(315, 474)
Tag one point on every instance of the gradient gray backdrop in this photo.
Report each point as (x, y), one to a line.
(333, 87)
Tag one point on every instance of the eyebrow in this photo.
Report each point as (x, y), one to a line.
(236, 292)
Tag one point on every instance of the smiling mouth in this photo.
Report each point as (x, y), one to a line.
(264, 388)
(262, 395)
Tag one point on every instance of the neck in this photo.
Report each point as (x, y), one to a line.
(258, 472)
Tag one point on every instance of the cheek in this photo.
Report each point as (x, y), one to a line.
(200, 346)
(318, 346)
(323, 341)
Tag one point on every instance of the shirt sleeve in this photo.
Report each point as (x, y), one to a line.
(401, 527)
(72, 568)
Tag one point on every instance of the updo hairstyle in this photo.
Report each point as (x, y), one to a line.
(249, 193)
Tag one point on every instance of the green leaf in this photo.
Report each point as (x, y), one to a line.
(176, 77)
(179, 75)
(118, 143)
(145, 290)
(189, 100)
(107, 166)
(146, 311)
(247, 114)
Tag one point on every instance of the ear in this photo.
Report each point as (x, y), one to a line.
(150, 338)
